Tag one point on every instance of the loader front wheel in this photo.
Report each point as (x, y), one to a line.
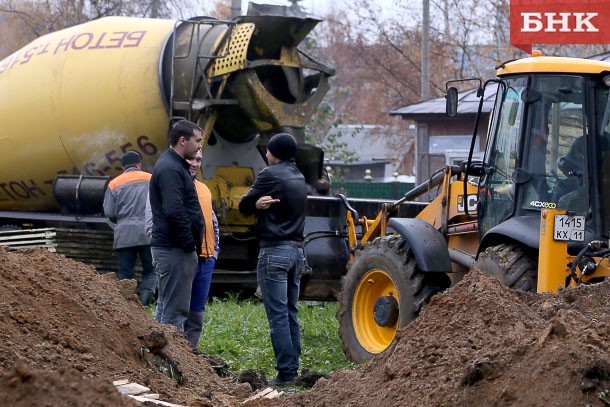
(382, 292)
(511, 265)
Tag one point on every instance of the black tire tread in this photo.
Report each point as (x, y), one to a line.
(511, 265)
(420, 286)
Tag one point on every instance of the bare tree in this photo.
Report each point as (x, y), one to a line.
(370, 80)
(477, 36)
(377, 56)
(25, 20)
(378, 63)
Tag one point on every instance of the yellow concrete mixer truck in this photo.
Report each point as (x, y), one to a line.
(73, 101)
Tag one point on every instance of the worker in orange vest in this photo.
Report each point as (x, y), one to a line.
(207, 257)
(124, 205)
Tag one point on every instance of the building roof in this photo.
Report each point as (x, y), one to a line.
(468, 103)
(367, 142)
(468, 100)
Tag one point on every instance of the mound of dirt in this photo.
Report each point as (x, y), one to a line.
(67, 332)
(483, 344)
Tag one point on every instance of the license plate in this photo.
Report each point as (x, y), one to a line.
(569, 228)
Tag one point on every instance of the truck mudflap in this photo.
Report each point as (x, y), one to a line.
(428, 245)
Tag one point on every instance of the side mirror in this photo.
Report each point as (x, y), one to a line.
(530, 95)
(476, 168)
(452, 101)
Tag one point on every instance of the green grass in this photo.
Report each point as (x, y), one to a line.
(238, 332)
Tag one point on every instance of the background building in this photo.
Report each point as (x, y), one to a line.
(442, 140)
(368, 151)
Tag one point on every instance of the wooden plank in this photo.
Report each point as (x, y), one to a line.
(119, 382)
(94, 234)
(152, 396)
(264, 392)
(98, 248)
(26, 231)
(153, 401)
(272, 395)
(267, 393)
(21, 236)
(132, 389)
(92, 247)
(104, 254)
(92, 231)
(25, 242)
(92, 239)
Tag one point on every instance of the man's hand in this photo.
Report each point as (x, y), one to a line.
(264, 202)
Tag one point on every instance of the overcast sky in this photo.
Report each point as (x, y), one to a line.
(321, 7)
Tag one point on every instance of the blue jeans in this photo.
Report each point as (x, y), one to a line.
(175, 271)
(279, 276)
(127, 264)
(199, 296)
(201, 283)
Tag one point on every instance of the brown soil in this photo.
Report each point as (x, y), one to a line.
(481, 344)
(67, 333)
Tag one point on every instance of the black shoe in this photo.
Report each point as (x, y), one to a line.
(283, 381)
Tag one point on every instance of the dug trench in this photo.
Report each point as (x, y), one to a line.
(68, 332)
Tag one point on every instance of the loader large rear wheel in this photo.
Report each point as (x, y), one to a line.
(511, 265)
(382, 292)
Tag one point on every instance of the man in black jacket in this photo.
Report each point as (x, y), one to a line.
(177, 223)
(278, 197)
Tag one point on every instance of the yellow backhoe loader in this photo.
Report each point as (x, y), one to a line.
(533, 213)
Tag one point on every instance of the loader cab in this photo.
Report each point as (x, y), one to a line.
(547, 147)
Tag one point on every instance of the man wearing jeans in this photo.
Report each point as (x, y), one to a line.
(279, 197)
(177, 223)
(207, 257)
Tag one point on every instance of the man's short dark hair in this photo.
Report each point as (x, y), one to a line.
(322, 187)
(182, 128)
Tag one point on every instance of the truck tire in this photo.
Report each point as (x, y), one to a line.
(382, 292)
(511, 265)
